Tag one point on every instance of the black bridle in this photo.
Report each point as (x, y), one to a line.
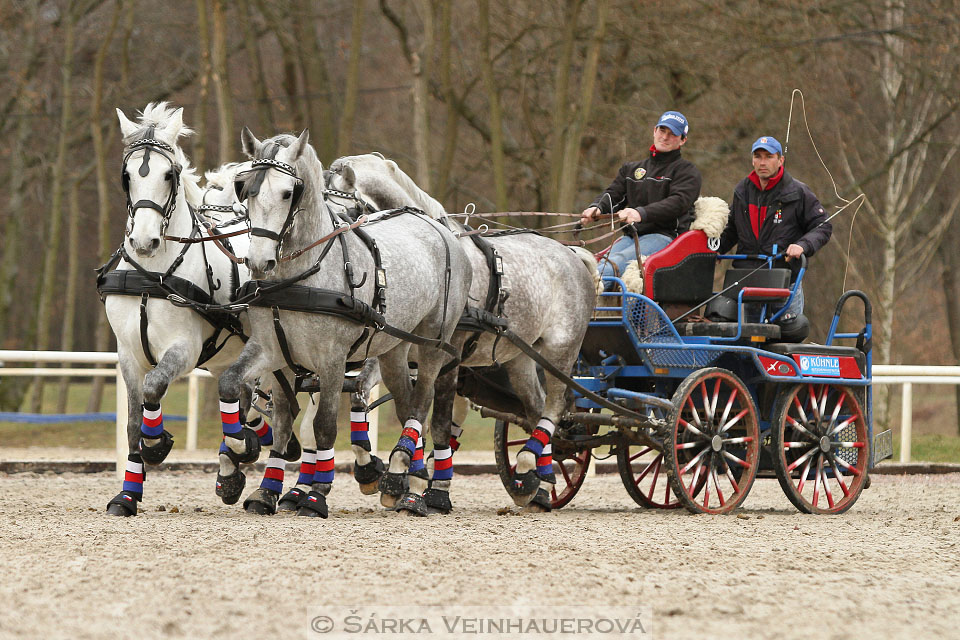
(150, 145)
(249, 186)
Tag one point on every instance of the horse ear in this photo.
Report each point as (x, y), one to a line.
(127, 126)
(175, 125)
(249, 143)
(297, 147)
(349, 176)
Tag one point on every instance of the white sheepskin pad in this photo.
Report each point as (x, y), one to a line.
(633, 278)
(711, 215)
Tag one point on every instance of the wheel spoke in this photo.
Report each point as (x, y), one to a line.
(826, 487)
(843, 463)
(796, 463)
(733, 482)
(730, 456)
(566, 476)
(656, 474)
(740, 440)
(799, 406)
(796, 425)
(696, 476)
(824, 392)
(694, 412)
(836, 474)
(716, 483)
(840, 427)
(715, 400)
(514, 443)
(688, 445)
(816, 481)
(850, 445)
(803, 476)
(690, 427)
(706, 492)
(707, 408)
(734, 420)
(650, 466)
(836, 409)
(726, 409)
(693, 462)
(795, 445)
(644, 451)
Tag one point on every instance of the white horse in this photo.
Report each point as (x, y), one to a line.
(548, 298)
(332, 299)
(159, 341)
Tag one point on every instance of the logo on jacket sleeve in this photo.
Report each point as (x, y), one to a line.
(639, 173)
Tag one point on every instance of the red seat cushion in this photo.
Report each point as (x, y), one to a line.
(764, 294)
(687, 244)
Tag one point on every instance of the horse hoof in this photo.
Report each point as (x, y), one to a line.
(524, 488)
(411, 503)
(388, 501)
(230, 487)
(540, 503)
(394, 484)
(291, 500)
(123, 504)
(313, 505)
(293, 451)
(261, 502)
(158, 452)
(368, 476)
(437, 500)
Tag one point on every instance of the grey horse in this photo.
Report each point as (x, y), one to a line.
(550, 297)
(425, 278)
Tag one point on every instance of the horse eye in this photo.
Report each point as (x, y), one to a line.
(168, 176)
(287, 194)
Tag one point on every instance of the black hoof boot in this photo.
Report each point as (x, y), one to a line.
(541, 502)
(313, 505)
(262, 502)
(438, 500)
(394, 484)
(293, 451)
(525, 487)
(368, 476)
(291, 500)
(158, 452)
(230, 487)
(412, 503)
(124, 504)
(251, 443)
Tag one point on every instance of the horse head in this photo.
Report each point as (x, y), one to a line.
(154, 175)
(282, 168)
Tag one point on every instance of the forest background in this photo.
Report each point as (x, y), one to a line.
(508, 105)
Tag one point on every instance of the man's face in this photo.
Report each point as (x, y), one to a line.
(665, 140)
(766, 164)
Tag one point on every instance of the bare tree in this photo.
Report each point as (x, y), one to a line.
(347, 114)
(203, 93)
(261, 93)
(221, 83)
(493, 99)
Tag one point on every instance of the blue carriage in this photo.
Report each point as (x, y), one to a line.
(702, 408)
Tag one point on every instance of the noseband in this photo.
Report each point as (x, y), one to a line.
(149, 144)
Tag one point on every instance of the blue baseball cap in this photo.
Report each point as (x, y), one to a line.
(674, 121)
(768, 143)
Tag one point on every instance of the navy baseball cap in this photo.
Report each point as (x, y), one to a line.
(768, 143)
(674, 121)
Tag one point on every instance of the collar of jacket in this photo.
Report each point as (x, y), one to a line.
(755, 179)
(663, 156)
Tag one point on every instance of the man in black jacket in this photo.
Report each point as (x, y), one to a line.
(655, 196)
(772, 209)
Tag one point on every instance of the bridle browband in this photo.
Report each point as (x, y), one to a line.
(149, 144)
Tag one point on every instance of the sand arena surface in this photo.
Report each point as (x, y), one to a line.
(889, 568)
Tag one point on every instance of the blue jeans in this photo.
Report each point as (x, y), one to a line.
(624, 251)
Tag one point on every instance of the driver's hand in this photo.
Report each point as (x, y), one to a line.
(589, 215)
(794, 251)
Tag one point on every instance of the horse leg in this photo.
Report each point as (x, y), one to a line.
(437, 495)
(240, 444)
(125, 502)
(522, 372)
(291, 499)
(155, 441)
(263, 501)
(396, 376)
(367, 468)
(327, 399)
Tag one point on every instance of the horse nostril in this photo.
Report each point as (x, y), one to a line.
(155, 244)
(270, 264)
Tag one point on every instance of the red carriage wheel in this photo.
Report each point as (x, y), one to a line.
(644, 477)
(820, 446)
(712, 449)
(570, 467)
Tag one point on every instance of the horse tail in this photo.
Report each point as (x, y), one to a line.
(589, 262)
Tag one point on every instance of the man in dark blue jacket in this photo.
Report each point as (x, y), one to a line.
(654, 196)
(772, 209)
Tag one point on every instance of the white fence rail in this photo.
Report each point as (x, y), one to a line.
(905, 375)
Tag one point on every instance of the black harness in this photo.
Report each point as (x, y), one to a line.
(152, 284)
(490, 317)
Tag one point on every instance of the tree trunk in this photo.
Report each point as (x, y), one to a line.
(560, 120)
(264, 108)
(452, 124)
(493, 97)
(51, 259)
(203, 97)
(421, 98)
(317, 91)
(275, 23)
(347, 114)
(102, 334)
(571, 156)
(70, 294)
(950, 260)
(221, 84)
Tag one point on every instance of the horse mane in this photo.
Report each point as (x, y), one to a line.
(374, 162)
(224, 175)
(159, 115)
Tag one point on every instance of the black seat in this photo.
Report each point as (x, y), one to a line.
(767, 278)
(790, 349)
(729, 330)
